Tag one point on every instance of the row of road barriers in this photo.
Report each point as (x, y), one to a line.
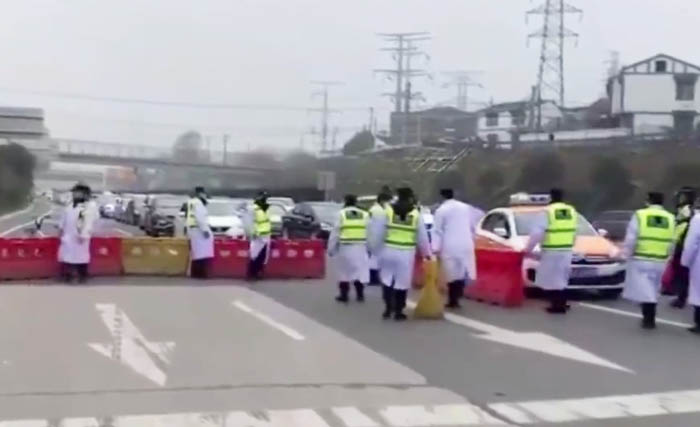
(37, 258)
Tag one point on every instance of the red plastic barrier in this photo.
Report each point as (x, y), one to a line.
(105, 257)
(499, 278)
(29, 258)
(230, 259)
(297, 259)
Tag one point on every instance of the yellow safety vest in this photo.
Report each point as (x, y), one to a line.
(353, 225)
(562, 222)
(655, 235)
(263, 226)
(402, 234)
(190, 220)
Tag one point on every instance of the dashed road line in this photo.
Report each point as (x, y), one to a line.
(632, 314)
(270, 321)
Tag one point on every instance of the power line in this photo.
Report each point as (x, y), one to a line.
(324, 110)
(550, 76)
(161, 103)
(462, 80)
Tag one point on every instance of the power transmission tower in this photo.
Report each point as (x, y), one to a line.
(403, 48)
(324, 110)
(550, 76)
(462, 80)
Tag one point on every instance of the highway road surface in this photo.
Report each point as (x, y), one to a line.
(149, 351)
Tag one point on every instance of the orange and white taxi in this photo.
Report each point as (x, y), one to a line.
(594, 264)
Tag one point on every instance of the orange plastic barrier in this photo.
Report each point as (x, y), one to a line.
(29, 258)
(297, 259)
(105, 257)
(230, 259)
(499, 278)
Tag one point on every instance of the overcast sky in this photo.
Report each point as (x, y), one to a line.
(268, 51)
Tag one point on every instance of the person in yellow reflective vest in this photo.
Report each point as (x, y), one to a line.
(685, 197)
(395, 237)
(378, 210)
(647, 246)
(199, 233)
(347, 244)
(555, 234)
(259, 230)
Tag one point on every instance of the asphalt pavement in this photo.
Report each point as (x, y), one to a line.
(152, 351)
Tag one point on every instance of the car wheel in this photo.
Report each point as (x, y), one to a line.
(610, 293)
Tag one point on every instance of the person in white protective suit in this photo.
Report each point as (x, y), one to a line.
(395, 238)
(376, 212)
(347, 245)
(647, 247)
(200, 235)
(259, 230)
(75, 230)
(691, 259)
(555, 233)
(453, 243)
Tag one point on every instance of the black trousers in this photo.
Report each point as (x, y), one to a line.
(455, 291)
(68, 270)
(374, 277)
(394, 300)
(199, 268)
(256, 266)
(344, 288)
(648, 314)
(557, 299)
(696, 316)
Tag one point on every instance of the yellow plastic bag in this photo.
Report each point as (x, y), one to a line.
(430, 305)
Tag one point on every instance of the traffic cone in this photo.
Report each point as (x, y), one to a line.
(430, 305)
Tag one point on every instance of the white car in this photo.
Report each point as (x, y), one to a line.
(225, 218)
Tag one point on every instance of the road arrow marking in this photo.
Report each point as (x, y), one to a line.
(534, 341)
(129, 347)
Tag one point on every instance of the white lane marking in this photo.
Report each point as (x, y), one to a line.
(394, 416)
(439, 415)
(600, 408)
(353, 417)
(535, 341)
(123, 232)
(15, 213)
(19, 227)
(131, 348)
(632, 314)
(270, 321)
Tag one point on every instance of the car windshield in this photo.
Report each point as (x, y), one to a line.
(276, 210)
(170, 203)
(221, 208)
(525, 222)
(326, 212)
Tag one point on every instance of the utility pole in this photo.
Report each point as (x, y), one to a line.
(403, 48)
(462, 80)
(223, 159)
(324, 110)
(550, 76)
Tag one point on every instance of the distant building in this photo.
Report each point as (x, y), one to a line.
(500, 122)
(438, 125)
(22, 123)
(655, 95)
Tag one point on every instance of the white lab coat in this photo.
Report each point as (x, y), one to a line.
(350, 259)
(554, 266)
(76, 226)
(257, 244)
(453, 239)
(396, 265)
(374, 214)
(643, 277)
(691, 259)
(201, 247)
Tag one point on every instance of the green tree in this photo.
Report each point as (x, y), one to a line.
(16, 175)
(361, 141)
(188, 147)
(540, 172)
(611, 183)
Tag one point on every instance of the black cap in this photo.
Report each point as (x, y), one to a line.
(655, 198)
(404, 193)
(556, 194)
(80, 186)
(447, 193)
(199, 189)
(350, 200)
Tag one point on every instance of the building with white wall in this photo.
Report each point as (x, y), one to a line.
(499, 122)
(658, 94)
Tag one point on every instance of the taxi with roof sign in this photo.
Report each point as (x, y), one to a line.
(595, 263)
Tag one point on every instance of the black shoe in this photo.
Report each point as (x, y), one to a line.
(342, 299)
(555, 310)
(677, 303)
(360, 298)
(453, 305)
(399, 317)
(695, 329)
(386, 314)
(648, 325)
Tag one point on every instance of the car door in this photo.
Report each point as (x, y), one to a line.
(495, 231)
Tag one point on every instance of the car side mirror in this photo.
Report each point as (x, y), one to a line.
(501, 232)
(603, 232)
